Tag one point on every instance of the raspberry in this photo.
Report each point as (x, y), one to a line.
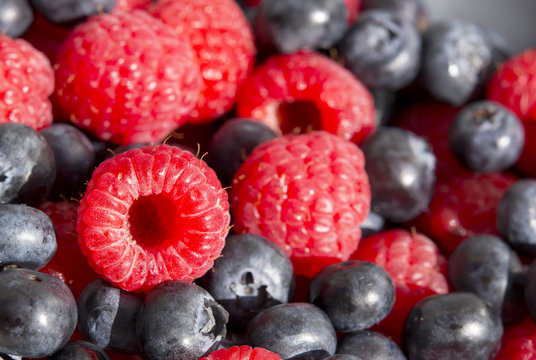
(126, 77)
(308, 194)
(27, 80)
(353, 7)
(150, 215)
(242, 352)
(129, 5)
(307, 91)
(223, 43)
(519, 341)
(415, 265)
(463, 207)
(526, 161)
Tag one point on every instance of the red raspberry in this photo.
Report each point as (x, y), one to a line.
(150, 215)
(519, 341)
(126, 77)
(526, 161)
(307, 91)
(463, 207)
(26, 82)
(224, 44)
(129, 5)
(46, 36)
(415, 265)
(243, 352)
(306, 193)
(353, 7)
(68, 264)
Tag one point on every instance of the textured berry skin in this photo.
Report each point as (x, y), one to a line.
(304, 91)
(136, 92)
(519, 341)
(129, 5)
(223, 43)
(27, 80)
(243, 352)
(415, 265)
(369, 345)
(150, 215)
(306, 193)
(79, 350)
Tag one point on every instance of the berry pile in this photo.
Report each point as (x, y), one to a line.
(264, 180)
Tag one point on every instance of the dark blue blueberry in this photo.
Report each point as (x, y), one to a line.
(458, 58)
(516, 216)
(107, 316)
(487, 137)
(369, 345)
(251, 275)
(64, 11)
(15, 17)
(27, 167)
(37, 313)
(354, 294)
(79, 350)
(384, 104)
(485, 265)
(343, 357)
(530, 290)
(291, 25)
(296, 330)
(27, 237)
(400, 166)
(179, 320)
(232, 143)
(74, 156)
(458, 325)
(382, 49)
(10, 357)
(412, 10)
(373, 223)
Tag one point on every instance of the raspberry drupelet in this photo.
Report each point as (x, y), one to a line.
(242, 352)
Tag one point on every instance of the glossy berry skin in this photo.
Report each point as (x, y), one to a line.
(487, 137)
(179, 321)
(251, 275)
(530, 290)
(400, 166)
(79, 350)
(27, 166)
(369, 345)
(295, 330)
(38, 313)
(63, 11)
(382, 49)
(243, 352)
(232, 143)
(412, 10)
(15, 17)
(342, 357)
(27, 237)
(107, 316)
(457, 61)
(354, 294)
(292, 25)
(458, 325)
(516, 214)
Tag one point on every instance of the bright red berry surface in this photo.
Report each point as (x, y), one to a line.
(307, 91)
(151, 215)
(519, 341)
(224, 46)
(243, 352)
(306, 193)
(353, 7)
(129, 5)
(139, 91)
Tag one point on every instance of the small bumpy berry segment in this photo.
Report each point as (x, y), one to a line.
(307, 91)
(129, 5)
(519, 341)
(223, 43)
(308, 194)
(26, 82)
(153, 214)
(126, 77)
(242, 352)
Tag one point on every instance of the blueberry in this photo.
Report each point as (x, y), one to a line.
(107, 316)
(373, 223)
(486, 266)
(354, 294)
(291, 25)
(382, 49)
(232, 143)
(412, 10)
(251, 275)
(457, 61)
(458, 325)
(179, 321)
(27, 167)
(342, 357)
(516, 216)
(487, 137)
(400, 166)
(15, 17)
(384, 104)
(369, 345)
(37, 313)
(296, 330)
(79, 350)
(64, 11)
(530, 290)
(27, 237)
(74, 156)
